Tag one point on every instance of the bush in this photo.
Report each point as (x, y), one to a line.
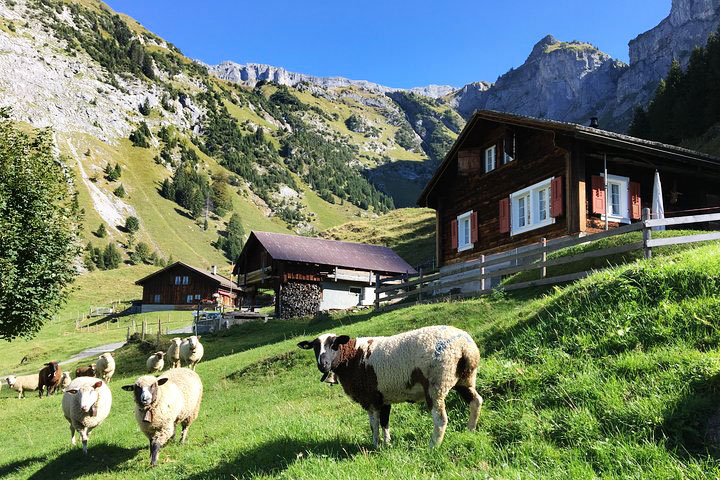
(111, 257)
(101, 232)
(141, 136)
(119, 191)
(132, 224)
(141, 254)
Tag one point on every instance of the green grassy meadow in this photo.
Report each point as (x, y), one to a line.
(614, 376)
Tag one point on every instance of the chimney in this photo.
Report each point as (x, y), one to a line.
(213, 270)
(594, 122)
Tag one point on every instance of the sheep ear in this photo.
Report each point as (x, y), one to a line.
(305, 345)
(129, 388)
(162, 381)
(341, 340)
(97, 384)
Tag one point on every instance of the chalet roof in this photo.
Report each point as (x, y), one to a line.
(590, 134)
(320, 251)
(222, 281)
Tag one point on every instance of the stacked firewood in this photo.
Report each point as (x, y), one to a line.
(299, 299)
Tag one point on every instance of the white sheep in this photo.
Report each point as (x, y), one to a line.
(173, 352)
(86, 403)
(191, 351)
(423, 364)
(23, 383)
(105, 366)
(162, 402)
(65, 380)
(155, 362)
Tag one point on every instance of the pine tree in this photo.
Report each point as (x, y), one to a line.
(101, 232)
(111, 257)
(132, 224)
(119, 191)
(234, 239)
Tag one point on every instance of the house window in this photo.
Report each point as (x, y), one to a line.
(355, 290)
(530, 208)
(464, 232)
(197, 296)
(186, 280)
(618, 201)
(508, 149)
(156, 298)
(178, 280)
(490, 154)
(189, 299)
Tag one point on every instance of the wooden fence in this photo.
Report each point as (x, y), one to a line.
(400, 291)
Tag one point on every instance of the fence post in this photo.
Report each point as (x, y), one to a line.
(543, 273)
(159, 329)
(377, 293)
(482, 272)
(144, 323)
(128, 334)
(420, 285)
(646, 233)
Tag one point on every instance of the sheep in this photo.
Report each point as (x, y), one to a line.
(423, 364)
(191, 351)
(23, 383)
(155, 362)
(49, 378)
(162, 402)
(65, 380)
(86, 403)
(88, 371)
(105, 366)
(173, 352)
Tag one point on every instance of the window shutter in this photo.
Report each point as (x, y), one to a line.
(635, 201)
(556, 195)
(504, 215)
(598, 194)
(454, 234)
(474, 227)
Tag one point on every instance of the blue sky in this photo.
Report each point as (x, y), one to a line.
(395, 43)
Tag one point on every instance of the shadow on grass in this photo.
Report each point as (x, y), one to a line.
(276, 456)
(73, 464)
(13, 467)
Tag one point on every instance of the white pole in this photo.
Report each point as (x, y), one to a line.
(607, 212)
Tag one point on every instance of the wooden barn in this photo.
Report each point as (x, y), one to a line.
(512, 180)
(182, 287)
(313, 274)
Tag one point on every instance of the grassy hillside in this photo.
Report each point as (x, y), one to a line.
(408, 231)
(615, 376)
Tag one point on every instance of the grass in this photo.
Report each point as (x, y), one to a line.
(615, 376)
(408, 231)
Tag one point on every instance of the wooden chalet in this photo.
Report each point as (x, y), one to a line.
(511, 180)
(313, 274)
(182, 287)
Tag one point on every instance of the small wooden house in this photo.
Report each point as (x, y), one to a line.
(313, 274)
(511, 180)
(182, 287)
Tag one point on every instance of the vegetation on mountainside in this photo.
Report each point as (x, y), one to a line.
(615, 376)
(39, 229)
(686, 103)
(232, 240)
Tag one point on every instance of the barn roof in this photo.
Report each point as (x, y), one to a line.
(222, 281)
(590, 134)
(360, 256)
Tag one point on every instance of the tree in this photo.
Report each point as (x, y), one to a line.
(147, 67)
(39, 228)
(234, 239)
(101, 232)
(132, 224)
(119, 191)
(221, 197)
(141, 254)
(145, 108)
(111, 257)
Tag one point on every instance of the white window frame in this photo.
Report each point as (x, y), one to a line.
(186, 280)
(493, 150)
(157, 298)
(508, 158)
(624, 187)
(533, 194)
(464, 223)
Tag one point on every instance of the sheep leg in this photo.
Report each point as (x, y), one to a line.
(72, 435)
(84, 437)
(154, 453)
(183, 433)
(385, 423)
(474, 400)
(374, 426)
(440, 421)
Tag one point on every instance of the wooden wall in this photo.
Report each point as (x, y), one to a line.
(171, 294)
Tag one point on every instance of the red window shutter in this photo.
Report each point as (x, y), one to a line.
(598, 194)
(556, 197)
(635, 201)
(504, 215)
(454, 234)
(474, 227)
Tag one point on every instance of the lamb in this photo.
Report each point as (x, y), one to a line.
(49, 378)
(65, 380)
(155, 362)
(105, 366)
(191, 351)
(23, 383)
(86, 403)
(162, 402)
(173, 352)
(88, 371)
(423, 364)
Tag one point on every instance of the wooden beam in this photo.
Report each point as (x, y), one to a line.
(703, 237)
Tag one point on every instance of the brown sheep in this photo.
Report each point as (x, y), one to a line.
(49, 378)
(88, 371)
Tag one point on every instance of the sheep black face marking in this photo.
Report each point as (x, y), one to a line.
(326, 349)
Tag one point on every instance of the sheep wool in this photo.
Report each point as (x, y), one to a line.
(65, 380)
(191, 351)
(423, 364)
(86, 404)
(155, 362)
(162, 402)
(23, 383)
(105, 366)
(173, 352)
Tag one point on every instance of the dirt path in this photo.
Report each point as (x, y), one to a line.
(93, 352)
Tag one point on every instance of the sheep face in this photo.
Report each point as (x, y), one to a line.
(86, 397)
(145, 390)
(194, 341)
(326, 348)
(11, 380)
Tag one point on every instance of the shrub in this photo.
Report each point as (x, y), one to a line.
(119, 191)
(132, 224)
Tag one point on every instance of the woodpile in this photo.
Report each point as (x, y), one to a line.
(299, 299)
